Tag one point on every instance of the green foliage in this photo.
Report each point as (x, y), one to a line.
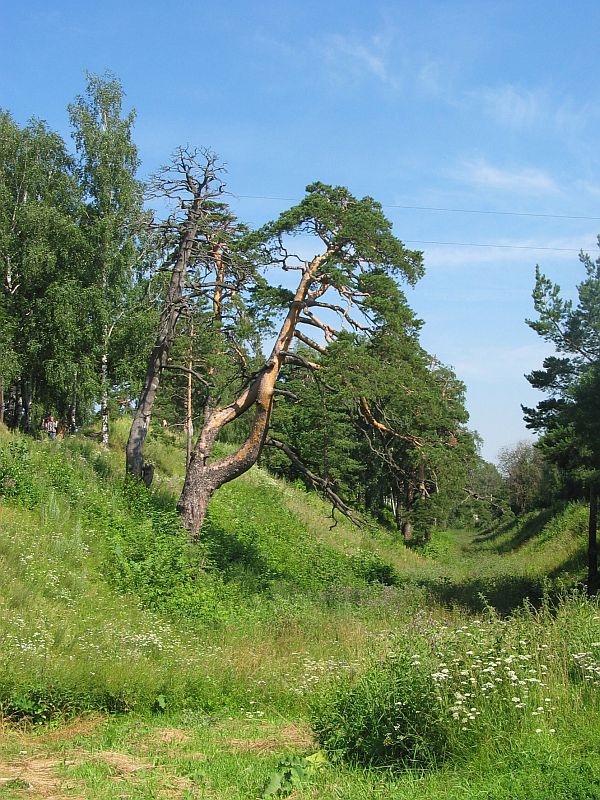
(567, 418)
(294, 772)
(17, 481)
(70, 242)
(358, 230)
(373, 569)
(387, 716)
(446, 691)
(417, 460)
(531, 482)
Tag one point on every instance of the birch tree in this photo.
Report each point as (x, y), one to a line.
(107, 170)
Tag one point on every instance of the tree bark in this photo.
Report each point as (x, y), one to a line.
(18, 405)
(104, 399)
(27, 402)
(592, 581)
(203, 478)
(11, 410)
(173, 306)
(189, 419)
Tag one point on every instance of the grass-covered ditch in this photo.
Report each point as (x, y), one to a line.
(280, 656)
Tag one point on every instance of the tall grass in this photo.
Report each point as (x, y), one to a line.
(105, 604)
(398, 656)
(444, 691)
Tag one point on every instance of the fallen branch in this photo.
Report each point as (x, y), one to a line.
(484, 499)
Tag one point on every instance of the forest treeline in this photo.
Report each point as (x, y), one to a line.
(293, 343)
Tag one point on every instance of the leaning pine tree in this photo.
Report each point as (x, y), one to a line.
(354, 247)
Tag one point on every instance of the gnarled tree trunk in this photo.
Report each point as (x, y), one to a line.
(203, 477)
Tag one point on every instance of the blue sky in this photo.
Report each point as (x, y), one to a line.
(480, 106)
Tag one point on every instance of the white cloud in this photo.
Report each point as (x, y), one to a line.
(359, 56)
(512, 106)
(525, 180)
(431, 79)
(519, 108)
(592, 189)
(384, 57)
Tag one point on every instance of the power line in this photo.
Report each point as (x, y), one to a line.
(439, 208)
(503, 246)
(460, 211)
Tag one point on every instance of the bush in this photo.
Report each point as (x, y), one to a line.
(446, 691)
(371, 568)
(16, 474)
(388, 716)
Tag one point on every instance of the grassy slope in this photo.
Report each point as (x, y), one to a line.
(95, 613)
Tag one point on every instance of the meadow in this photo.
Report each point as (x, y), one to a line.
(281, 656)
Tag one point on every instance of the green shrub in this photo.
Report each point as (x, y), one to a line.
(17, 483)
(447, 691)
(371, 568)
(387, 716)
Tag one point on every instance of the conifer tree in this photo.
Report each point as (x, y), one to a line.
(568, 418)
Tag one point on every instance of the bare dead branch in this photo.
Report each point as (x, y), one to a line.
(489, 499)
(187, 371)
(289, 395)
(322, 485)
(343, 312)
(310, 319)
(300, 361)
(310, 342)
(379, 426)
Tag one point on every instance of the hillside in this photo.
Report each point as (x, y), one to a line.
(195, 671)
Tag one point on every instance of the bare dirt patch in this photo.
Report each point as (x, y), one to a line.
(169, 736)
(80, 726)
(37, 777)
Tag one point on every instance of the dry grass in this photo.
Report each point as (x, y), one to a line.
(290, 737)
(37, 777)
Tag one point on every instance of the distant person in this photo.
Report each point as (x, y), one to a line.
(51, 428)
